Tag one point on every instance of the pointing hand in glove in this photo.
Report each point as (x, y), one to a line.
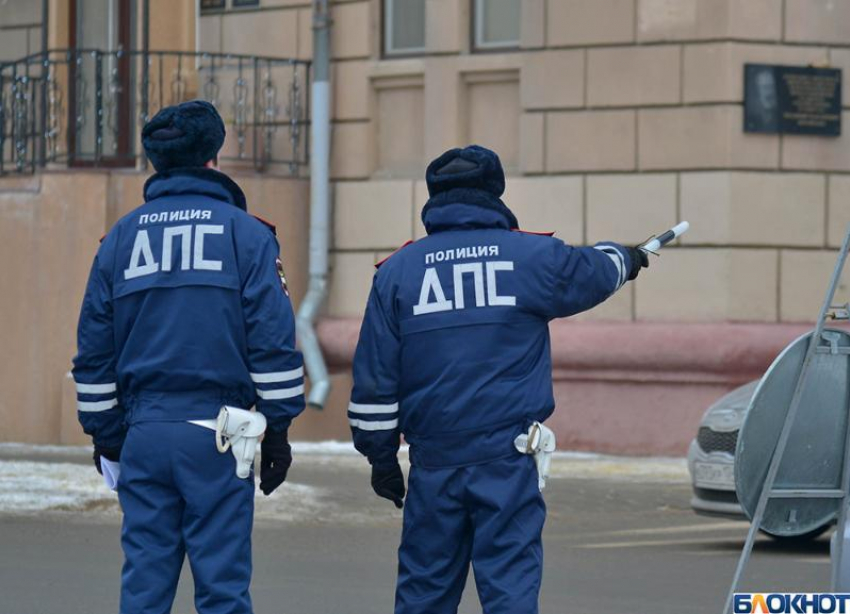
(640, 260)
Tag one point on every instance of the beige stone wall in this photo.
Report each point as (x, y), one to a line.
(615, 119)
(20, 29)
(50, 225)
(49, 229)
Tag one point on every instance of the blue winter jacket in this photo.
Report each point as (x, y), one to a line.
(186, 309)
(454, 347)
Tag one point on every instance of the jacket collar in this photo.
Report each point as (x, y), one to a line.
(466, 209)
(195, 180)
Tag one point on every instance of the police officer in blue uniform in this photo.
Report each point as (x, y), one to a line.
(186, 311)
(454, 354)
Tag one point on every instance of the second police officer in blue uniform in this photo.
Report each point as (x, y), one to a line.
(454, 354)
(186, 310)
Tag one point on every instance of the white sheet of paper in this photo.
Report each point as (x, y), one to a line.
(111, 471)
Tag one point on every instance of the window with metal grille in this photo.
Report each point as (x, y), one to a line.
(404, 26)
(497, 23)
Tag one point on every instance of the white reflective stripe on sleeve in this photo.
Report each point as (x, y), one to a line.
(96, 388)
(617, 258)
(380, 425)
(278, 376)
(282, 393)
(96, 405)
(357, 408)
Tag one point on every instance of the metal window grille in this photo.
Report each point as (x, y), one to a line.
(85, 107)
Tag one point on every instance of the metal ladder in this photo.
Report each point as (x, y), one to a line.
(827, 312)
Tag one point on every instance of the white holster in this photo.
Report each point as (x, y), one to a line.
(237, 430)
(539, 441)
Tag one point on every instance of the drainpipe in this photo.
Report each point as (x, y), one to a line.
(320, 137)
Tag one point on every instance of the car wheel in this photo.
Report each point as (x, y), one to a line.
(797, 539)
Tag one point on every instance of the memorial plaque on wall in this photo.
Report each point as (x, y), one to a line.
(792, 99)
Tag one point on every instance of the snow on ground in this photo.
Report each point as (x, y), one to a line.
(28, 487)
(39, 479)
(578, 465)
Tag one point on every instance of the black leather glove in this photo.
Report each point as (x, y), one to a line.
(640, 260)
(388, 482)
(107, 453)
(275, 460)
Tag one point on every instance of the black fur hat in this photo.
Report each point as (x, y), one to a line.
(472, 167)
(473, 176)
(186, 135)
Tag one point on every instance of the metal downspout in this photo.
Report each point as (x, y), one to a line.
(320, 385)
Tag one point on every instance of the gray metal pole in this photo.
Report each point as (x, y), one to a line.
(838, 545)
(320, 136)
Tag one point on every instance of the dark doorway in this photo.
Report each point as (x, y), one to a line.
(101, 100)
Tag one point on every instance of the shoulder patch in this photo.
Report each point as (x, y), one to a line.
(378, 264)
(539, 234)
(266, 223)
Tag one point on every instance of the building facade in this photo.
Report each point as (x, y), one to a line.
(614, 119)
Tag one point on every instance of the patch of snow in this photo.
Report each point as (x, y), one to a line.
(291, 502)
(29, 487)
(575, 455)
(618, 468)
(330, 448)
(68, 488)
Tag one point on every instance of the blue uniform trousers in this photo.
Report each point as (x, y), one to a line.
(181, 496)
(491, 515)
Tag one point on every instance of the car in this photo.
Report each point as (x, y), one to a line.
(711, 461)
(711, 456)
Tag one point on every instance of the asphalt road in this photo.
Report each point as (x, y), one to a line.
(620, 538)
